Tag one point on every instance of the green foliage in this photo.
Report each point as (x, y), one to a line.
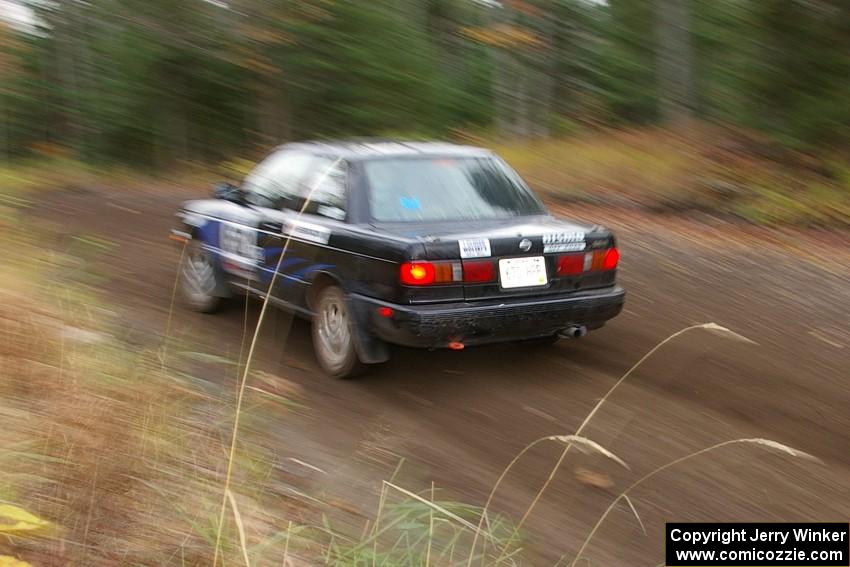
(418, 533)
(781, 67)
(625, 63)
(161, 81)
(355, 83)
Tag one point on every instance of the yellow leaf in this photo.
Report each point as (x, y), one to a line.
(14, 520)
(504, 36)
(7, 561)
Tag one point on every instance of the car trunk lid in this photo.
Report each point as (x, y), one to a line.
(517, 258)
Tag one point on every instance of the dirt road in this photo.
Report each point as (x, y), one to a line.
(458, 418)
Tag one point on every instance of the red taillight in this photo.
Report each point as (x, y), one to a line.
(417, 273)
(600, 260)
(429, 273)
(478, 271)
(612, 258)
(570, 264)
(446, 272)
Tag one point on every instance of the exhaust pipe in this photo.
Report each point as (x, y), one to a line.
(573, 332)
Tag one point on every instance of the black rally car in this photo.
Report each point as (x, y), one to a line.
(420, 244)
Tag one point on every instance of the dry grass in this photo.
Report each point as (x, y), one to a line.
(134, 460)
(624, 495)
(581, 442)
(641, 165)
(21, 182)
(127, 451)
(706, 170)
(108, 447)
(121, 453)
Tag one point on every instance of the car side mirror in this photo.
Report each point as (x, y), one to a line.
(228, 192)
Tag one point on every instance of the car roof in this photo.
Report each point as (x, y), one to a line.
(370, 148)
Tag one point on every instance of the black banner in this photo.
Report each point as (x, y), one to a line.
(758, 545)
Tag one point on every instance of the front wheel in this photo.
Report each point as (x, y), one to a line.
(333, 334)
(199, 280)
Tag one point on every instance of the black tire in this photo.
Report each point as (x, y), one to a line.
(199, 280)
(333, 332)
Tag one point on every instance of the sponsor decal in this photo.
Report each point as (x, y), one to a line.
(563, 242)
(474, 248)
(409, 203)
(238, 240)
(565, 247)
(240, 254)
(309, 232)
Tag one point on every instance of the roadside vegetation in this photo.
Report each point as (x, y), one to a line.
(707, 170)
(732, 108)
(732, 174)
(123, 82)
(114, 448)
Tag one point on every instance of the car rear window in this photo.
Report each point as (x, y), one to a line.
(445, 189)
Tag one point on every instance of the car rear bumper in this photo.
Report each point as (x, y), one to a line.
(435, 326)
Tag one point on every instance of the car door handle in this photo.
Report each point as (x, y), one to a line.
(271, 226)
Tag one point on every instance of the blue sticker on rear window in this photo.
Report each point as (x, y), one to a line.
(409, 203)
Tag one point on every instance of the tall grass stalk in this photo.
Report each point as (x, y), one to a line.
(430, 529)
(375, 528)
(171, 305)
(286, 545)
(569, 439)
(242, 383)
(244, 333)
(431, 505)
(240, 526)
(624, 494)
(711, 327)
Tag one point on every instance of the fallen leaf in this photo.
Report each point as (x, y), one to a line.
(15, 520)
(593, 478)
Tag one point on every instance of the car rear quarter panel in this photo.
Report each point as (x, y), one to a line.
(372, 268)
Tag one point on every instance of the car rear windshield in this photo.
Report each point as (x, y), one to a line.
(446, 189)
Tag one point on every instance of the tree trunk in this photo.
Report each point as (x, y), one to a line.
(546, 82)
(4, 130)
(66, 76)
(675, 61)
(503, 68)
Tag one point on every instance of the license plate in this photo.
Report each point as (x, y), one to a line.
(522, 272)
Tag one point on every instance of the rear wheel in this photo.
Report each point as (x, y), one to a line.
(199, 280)
(333, 334)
